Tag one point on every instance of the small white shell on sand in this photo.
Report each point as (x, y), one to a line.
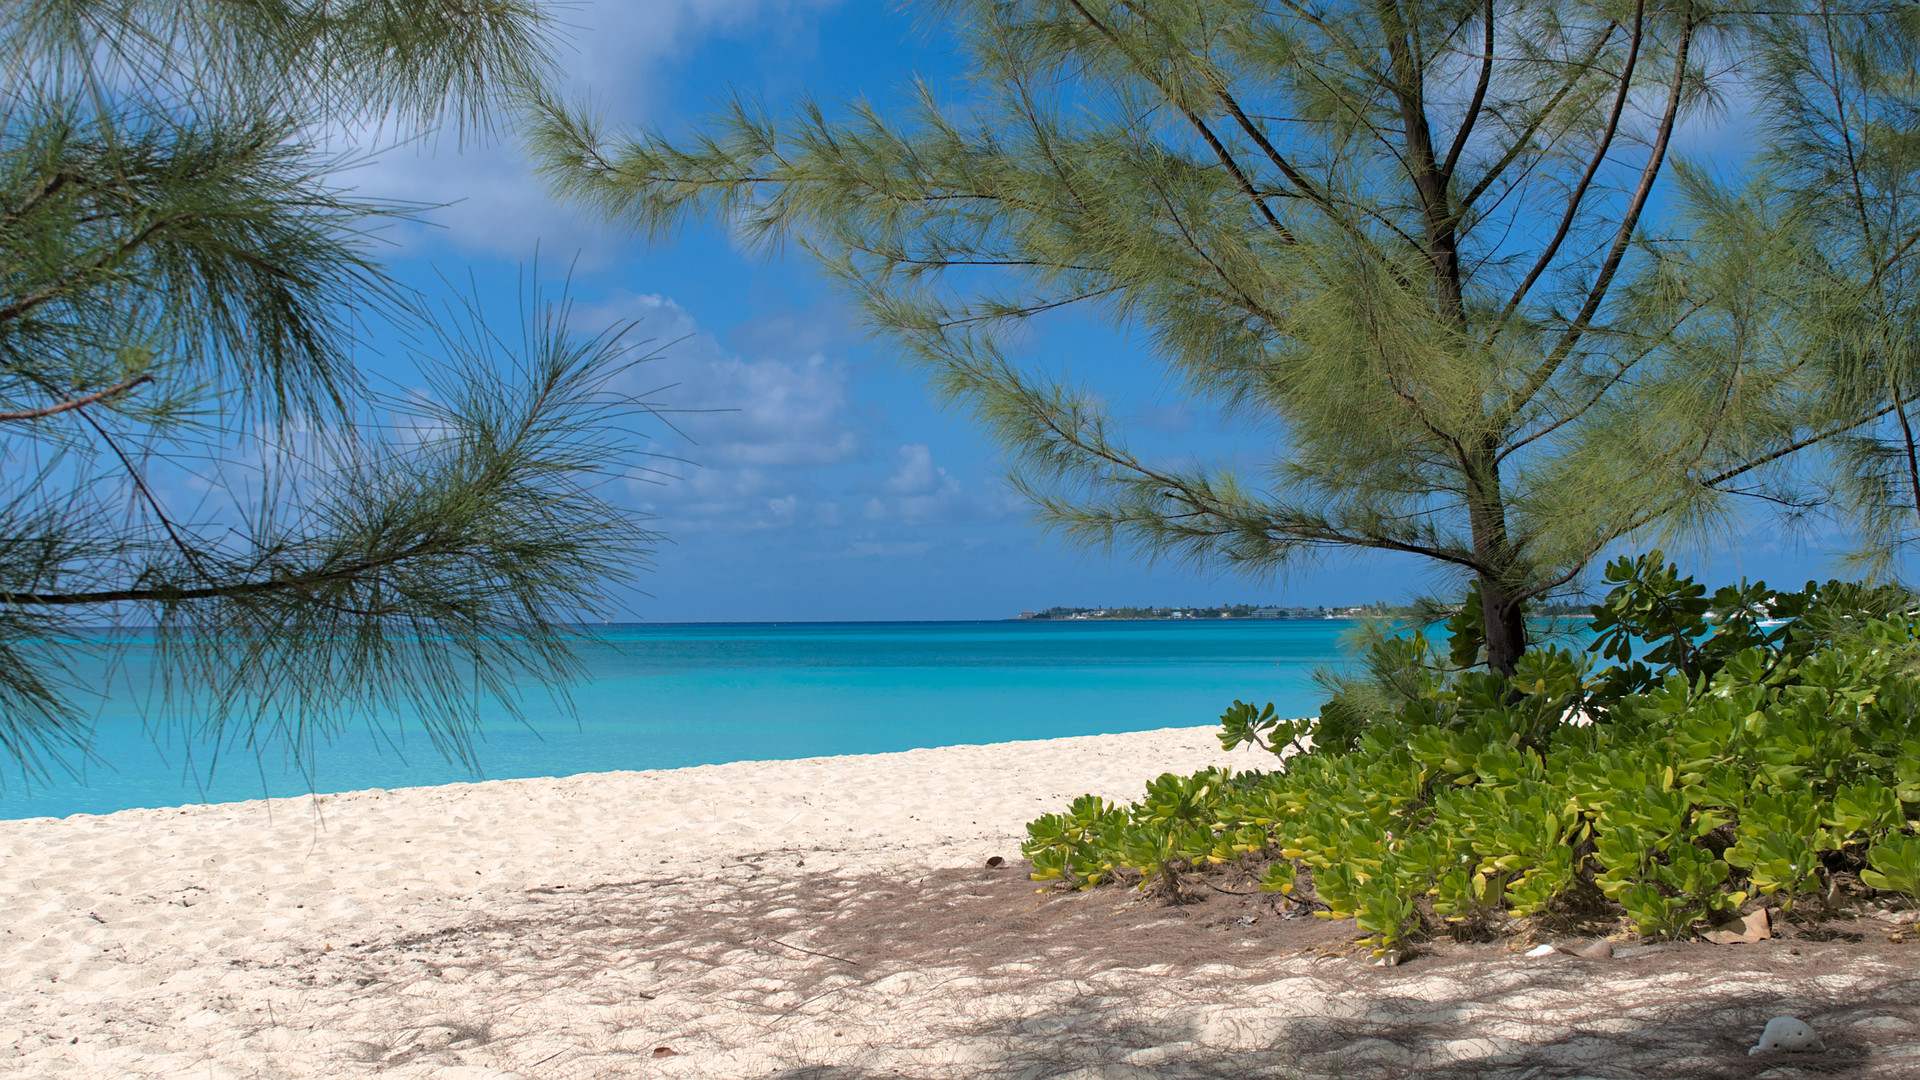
(1788, 1034)
(1542, 950)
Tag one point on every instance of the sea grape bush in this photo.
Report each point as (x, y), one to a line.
(1741, 748)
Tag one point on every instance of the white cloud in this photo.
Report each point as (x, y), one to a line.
(485, 201)
(791, 413)
(920, 492)
(918, 475)
(763, 412)
(613, 56)
(778, 441)
(756, 428)
(616, 45)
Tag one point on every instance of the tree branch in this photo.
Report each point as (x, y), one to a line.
(16, 308)
(1253, 306)
(77, 403)
(1520, 144)
(1473, 108)
(1586, 180)
(1656, 159)
(213, 592)
(1598, 395)
(146, 494)
(1293, 175)
(1219, 149)
(1801, 444)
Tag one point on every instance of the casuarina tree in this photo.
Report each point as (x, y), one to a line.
(1839, 179)
(191, 454)
(1447, 256)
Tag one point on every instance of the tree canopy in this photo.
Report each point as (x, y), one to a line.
(1446, 256)
(192, 453)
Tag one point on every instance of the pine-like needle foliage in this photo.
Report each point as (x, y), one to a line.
(189, 448)
(1442, 251)
(1842, 174)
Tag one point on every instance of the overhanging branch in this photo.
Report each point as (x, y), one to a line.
(77, 403)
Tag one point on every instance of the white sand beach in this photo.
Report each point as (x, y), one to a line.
(794, 919)
(148, 935)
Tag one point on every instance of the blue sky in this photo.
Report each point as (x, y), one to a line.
(828, 486)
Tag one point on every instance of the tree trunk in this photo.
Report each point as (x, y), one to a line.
(1506, 630)
(1506, 625)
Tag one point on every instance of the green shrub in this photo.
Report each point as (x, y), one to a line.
(1896, 864)
(1720, 758)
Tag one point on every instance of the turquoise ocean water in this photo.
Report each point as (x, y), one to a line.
(672, 695)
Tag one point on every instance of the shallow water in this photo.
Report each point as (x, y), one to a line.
(667, 696)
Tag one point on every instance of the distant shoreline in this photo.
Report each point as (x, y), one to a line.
(1185, 618)
(1344, 615)
(667, 624)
